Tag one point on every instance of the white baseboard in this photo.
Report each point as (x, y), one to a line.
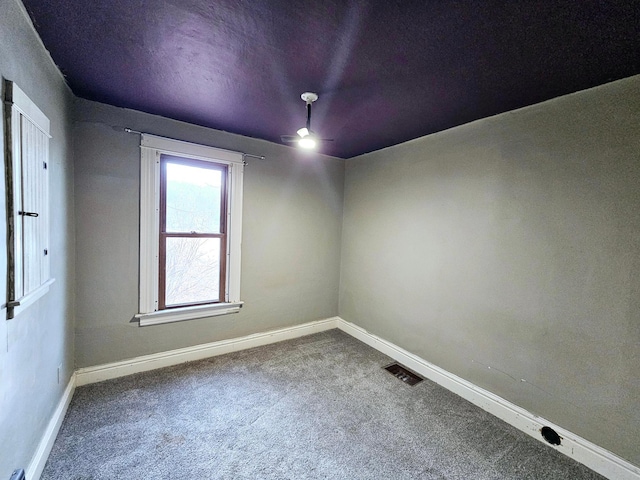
(596, 458)
(39, 459)
(85, 376)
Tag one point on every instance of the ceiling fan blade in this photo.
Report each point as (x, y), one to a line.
(296, 138)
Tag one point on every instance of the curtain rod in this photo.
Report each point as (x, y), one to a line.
(244, 155)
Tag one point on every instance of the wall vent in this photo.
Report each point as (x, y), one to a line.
(403, 374)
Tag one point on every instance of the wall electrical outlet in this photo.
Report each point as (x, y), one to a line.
(17, 475)
(59, 373)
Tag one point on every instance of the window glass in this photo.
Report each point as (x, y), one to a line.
(192, 232)
(194, 199)
(192, 270)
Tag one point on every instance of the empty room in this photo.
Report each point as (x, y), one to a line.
(320, 240)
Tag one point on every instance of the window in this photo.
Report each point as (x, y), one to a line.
(190, 231)
(27, 183)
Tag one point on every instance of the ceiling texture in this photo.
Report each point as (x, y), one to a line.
(386, 71)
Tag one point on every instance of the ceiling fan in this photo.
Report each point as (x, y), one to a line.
(306, 137)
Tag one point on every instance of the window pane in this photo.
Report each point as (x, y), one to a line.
(193, 199)
(192, 270)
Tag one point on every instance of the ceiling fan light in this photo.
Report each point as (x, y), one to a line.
(303, 132)
(307, 142)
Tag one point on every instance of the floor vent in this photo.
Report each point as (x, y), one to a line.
(403, 374)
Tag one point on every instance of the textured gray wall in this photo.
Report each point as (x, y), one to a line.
(292, 222)
(40, 339)
(512, 243)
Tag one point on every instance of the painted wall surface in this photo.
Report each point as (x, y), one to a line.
(290, 249)
(512, 243)
(40, 339)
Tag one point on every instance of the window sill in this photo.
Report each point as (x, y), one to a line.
(22, 304)
(187, 313)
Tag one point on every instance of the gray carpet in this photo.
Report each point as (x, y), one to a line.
(318, 407)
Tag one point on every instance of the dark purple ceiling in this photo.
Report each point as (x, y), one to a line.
(386, 71)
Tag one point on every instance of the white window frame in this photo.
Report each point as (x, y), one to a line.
(27, 131)
(151, 147)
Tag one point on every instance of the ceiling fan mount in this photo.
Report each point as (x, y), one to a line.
(309, 97)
